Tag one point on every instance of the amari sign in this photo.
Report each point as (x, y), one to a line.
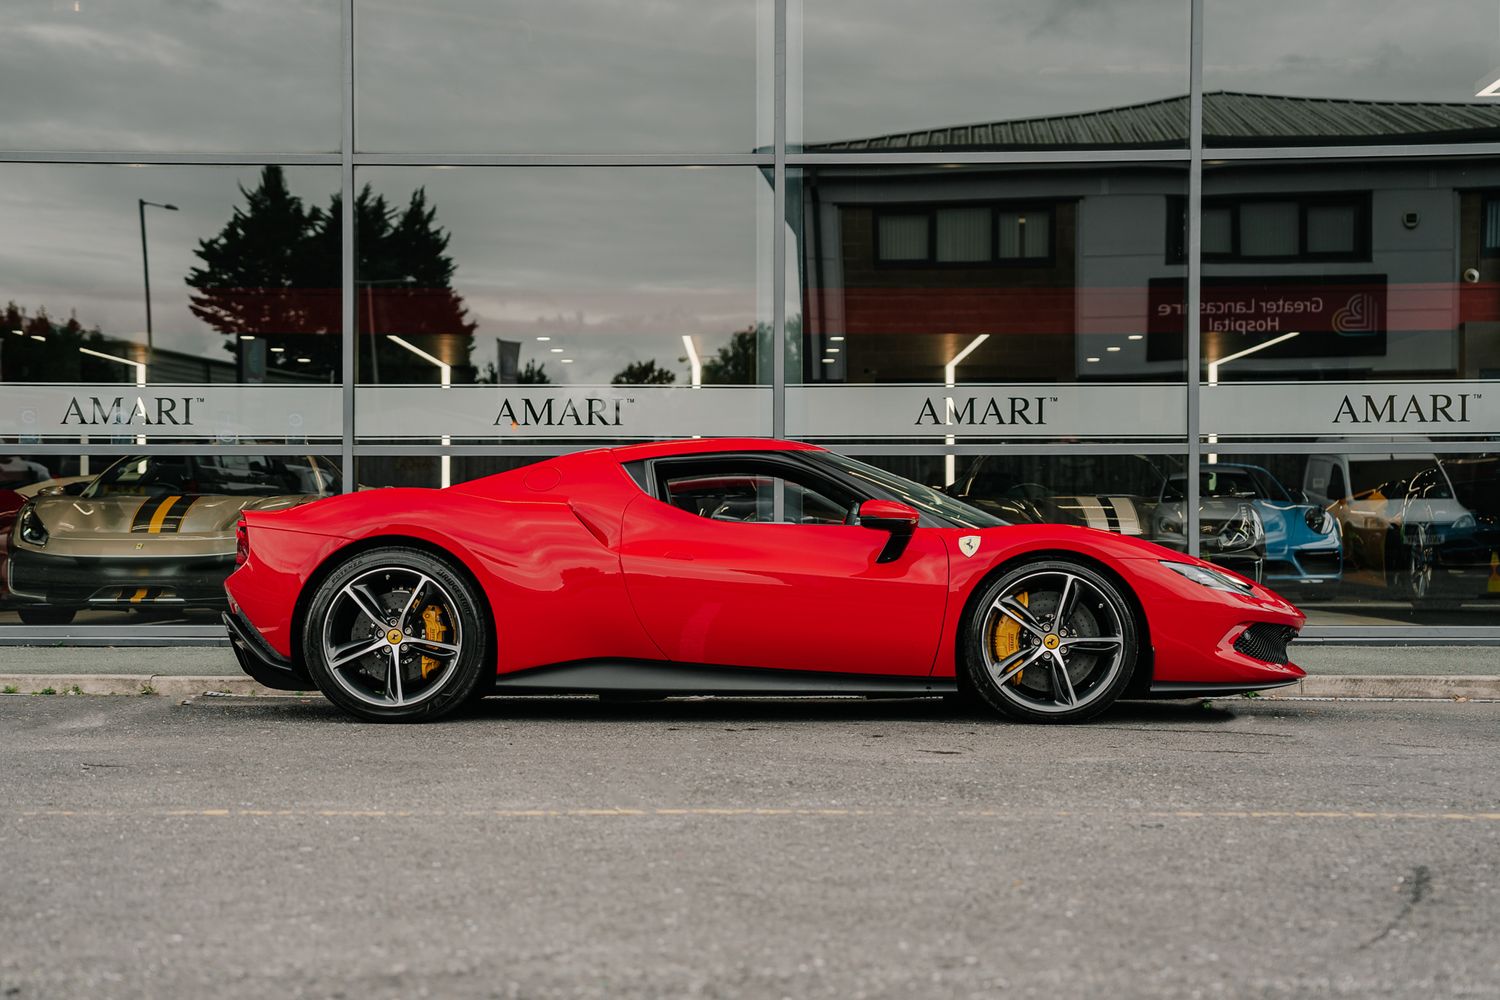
(212, 412)
(1328, 409)
(986, 411)
(498, 413)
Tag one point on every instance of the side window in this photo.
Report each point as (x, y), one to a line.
(752, 492)
(1336, 489)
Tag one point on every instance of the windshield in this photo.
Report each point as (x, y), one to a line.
(1395, 478)
(226, 475)
(1221, 484)
(923, 498)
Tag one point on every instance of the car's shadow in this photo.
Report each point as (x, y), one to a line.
(748, 710)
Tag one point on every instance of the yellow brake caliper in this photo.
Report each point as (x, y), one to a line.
(1007, 638)
(432, 625)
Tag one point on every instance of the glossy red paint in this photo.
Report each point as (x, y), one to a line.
(578, 562)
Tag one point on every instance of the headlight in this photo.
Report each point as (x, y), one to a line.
(1465, 522)
(1318, 520)
(30, 527)
(1171, 526)
(1209, 577)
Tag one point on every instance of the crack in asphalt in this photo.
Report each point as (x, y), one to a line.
(1418, 887)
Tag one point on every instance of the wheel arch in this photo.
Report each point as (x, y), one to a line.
(1140, 681)
(344, 553)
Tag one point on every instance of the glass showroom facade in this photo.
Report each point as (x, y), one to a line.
(1218, 275)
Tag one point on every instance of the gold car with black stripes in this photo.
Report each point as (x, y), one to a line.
(151, 532)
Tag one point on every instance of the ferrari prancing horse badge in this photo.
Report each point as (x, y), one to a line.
(968, 544)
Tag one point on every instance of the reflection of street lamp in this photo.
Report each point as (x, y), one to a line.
(445, 377)
(140, 374)
(950, 379)
(141, 204)
(1213, 373)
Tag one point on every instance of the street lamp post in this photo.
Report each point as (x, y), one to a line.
(141, 204)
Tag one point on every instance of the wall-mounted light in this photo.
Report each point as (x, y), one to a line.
(445, 379)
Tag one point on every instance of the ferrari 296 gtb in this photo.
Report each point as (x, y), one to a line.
(743, 567)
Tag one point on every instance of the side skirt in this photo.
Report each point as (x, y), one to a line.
(1194, 689)
(656, 678)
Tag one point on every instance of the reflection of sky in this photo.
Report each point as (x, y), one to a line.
(1435, 50)
(615, 264)
(170, 74)
(870, 67)
(594, 76)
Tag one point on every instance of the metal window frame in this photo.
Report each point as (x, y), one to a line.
(348, 158)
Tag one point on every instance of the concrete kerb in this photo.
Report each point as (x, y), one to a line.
(134, 684)
(1440, 687)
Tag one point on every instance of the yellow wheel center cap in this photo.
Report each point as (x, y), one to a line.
(393, 637)
(1051, 641)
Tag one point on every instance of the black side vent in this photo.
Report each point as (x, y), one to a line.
(1265, 641)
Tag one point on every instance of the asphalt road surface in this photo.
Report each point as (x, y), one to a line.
(834, 848)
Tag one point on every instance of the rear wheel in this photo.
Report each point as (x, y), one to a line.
(395, 635)
(1051, 641)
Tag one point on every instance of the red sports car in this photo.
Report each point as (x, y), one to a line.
(746, 567)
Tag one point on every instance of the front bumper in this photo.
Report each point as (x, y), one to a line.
(68, 581)
(260, 661)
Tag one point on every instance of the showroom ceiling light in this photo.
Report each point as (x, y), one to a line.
(1136, 336)
(140, 367)
(834, 339)
(1489, 85)
(556, 350)
(1112, 350)
(567, 361)
(544, 338)
(829, 361)
(247, 336)
(694, 362)
(278, 350)
(1091, 360)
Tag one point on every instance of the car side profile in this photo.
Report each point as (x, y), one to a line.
(743, 567)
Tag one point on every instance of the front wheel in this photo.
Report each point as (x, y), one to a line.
(1050, 641)
(395, 635)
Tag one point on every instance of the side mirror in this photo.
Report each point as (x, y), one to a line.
(896, 518)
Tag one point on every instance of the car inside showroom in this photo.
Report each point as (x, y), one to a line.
(1157, 275)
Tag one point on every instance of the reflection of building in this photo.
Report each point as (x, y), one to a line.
(1078, 273)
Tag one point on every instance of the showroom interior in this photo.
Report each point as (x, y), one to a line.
(1217, 275)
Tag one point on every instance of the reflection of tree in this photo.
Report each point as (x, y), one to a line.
(56, 357)
(534, 374)
(735, 362)
(273, 272)
(643, 373)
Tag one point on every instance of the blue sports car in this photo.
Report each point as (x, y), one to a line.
(1303, 543)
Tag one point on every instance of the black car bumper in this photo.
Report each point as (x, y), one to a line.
(85, 581)
(260, 661)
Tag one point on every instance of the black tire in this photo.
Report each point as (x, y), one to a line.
(46, 616)
(1096, 646)
(338, 624)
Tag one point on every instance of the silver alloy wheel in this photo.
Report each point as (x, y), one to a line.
(1419, 566)
(377, 642)
(1066, 628)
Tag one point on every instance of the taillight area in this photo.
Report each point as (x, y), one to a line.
(241, 542)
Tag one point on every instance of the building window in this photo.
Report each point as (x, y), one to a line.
(903, 237)
(964, 234)
(1491, 245)
(1286, 228)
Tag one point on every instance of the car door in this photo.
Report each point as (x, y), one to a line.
(748, 561)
